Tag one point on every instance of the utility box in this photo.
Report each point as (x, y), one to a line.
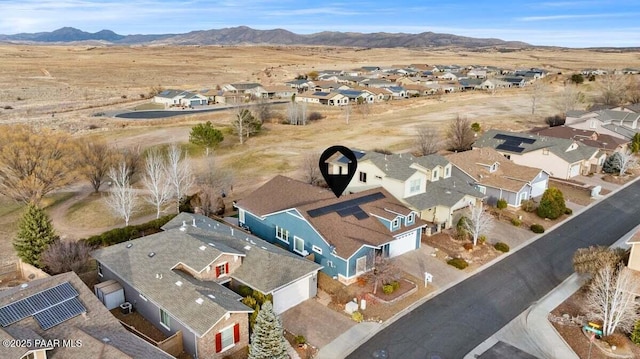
(110, 293)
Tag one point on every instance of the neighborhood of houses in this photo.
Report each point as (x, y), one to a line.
(368, 84)
(186, 279)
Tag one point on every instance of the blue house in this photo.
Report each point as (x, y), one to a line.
(344, 234)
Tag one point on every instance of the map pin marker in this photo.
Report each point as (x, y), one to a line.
(338, 182)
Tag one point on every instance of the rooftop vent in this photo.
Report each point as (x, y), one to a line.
(158, 275)
(202, 248)
(129, 245)
(179, 283)
(212, 244)
(211, 296)
(194, 223)
(199, 300)
(151, 254)
(247, 247)
(263, 247)
(183, 229)
(106, 340)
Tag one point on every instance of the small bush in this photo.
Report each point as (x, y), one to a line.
(617, 339)
(382, 151)
(458, 263)
(502, 247)
(315, 116)
(395, 284)
(537, 228)
(387, 289)
(468, 246)
(123, 96)
(300, 339)
(482, 239)
(516, 222)
(357, 317)
(8, 107)
(568, 211)
(250, 302)
(635, 334)
(557, 120)
(119, 235)
(501, 204)
(529, 205)
(362, 281)
(245, 291)
(342, 296)
(461, 232)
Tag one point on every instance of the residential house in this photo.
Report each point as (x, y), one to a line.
(180, 98)
(381, 94)
(180, 280)
(515, 81)
(328, 86)
(424, 184)
(634, 255)
(418, 90)
(559, 157)
(591, 71)
(342, 234)
(620, 123)
(250, 90)
(604, 142)
(449, 76)
(378, 83)
(301, 85)
(492, 84)
(477, 74)
(279, 92)
(397, 92)
(60, 318)
(324, 98)
(470, 84)
(499, 178)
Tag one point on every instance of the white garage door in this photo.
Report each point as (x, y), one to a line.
(291, 295)
(403, 244)
(537, 189)
(575, 170)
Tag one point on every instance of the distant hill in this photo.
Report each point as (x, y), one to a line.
(246, 35)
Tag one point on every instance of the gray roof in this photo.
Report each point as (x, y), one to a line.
(576, 113)
(246, 85)
(198, 246)
(445, 191)
(173, 93)
(622, 130)
(92, 327)
(557, 146)
(398, 166)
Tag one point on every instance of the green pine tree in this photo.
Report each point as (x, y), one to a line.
(552, 204)
(267, 339)
(35, 233)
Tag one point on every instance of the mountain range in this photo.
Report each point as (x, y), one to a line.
(243, 35)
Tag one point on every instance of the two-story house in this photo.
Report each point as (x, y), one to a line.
(180, 280)
(342, 234)
(425, 184)
(559, 157)
(499, 178)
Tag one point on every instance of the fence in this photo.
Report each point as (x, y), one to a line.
(9, 272)
(172, 345)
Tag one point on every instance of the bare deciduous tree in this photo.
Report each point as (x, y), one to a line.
(460, 136)
(537, 91)
(156, 181)
(568, 98)
(132, 157)
(64, 256)
(244, 123)
(611, 90)
(346, 109)
(611, 298)
(297, 113)
(94, 160)
(626, 160)
(479, 222)
(33, 163)
(633, 89)
(122, 199)
(262, 109)
(212, 185)
(180, 172)
(383, 272)
(311, 168)
(427, 141)
(590, 260)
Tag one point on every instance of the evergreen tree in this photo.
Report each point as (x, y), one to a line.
(267, 339)
(205, 135)
(35, 234)
(635, 143)
(552, 204)
(612, 163)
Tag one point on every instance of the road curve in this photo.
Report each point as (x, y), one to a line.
(460, 318)
(146, 115)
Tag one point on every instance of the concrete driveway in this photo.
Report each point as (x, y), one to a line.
(319, 324)
(420, 261)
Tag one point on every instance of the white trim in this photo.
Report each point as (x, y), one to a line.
(100, 270)
(233, 339)
(294, 245)
(284, 237)
(241, 216)
(224, 265)
(168, 319)
(143, 297)
(316, 249)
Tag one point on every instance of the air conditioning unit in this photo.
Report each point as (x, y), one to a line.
(125, 308)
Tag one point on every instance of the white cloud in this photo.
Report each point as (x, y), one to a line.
(576, 16)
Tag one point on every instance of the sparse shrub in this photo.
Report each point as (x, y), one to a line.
(482, 239)
(142, 96)
(502, 247)
(301, 340)
(245, 291)
(529, 205)
(475, 127)
(362, 281)
(315, 116)
(501, 204)
(591, 259)
(119, 235)
(19, 98)
(556, 120)
(458, 263)
(568, 211)
(387, 289)
(99, 114)
(516, 222)
(577, 78)
(395, 284)
(537, 228)
(92, 127)
(357, 317)
(7, 107)
(617, 339)
(382, 151)
(250, 302)
(342, 296)
(635, 334)
(123, 96)
(468, 246)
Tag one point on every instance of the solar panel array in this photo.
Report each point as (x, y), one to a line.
(346, 208)
(512, 143)
(52, 305)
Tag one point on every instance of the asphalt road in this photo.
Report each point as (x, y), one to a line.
(140, 115)
(462, 317)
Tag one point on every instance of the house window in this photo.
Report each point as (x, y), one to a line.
(227, 338)
(100, 269)
(395, 223)
(282, 234)
(298, 245)
(316, 249)
(410, 218)
(165, 320)
(545, 151)
(363, 177)
(414, 186)
(435, 175)
(222, 270)
(241, 215)
(447, 172)
(361, 265)
(482, 189)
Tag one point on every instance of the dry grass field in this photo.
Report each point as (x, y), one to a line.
(64, 86)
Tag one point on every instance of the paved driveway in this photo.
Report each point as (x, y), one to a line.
(319, 324)
(419, 261)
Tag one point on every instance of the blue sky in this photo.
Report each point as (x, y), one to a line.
(562, 23)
